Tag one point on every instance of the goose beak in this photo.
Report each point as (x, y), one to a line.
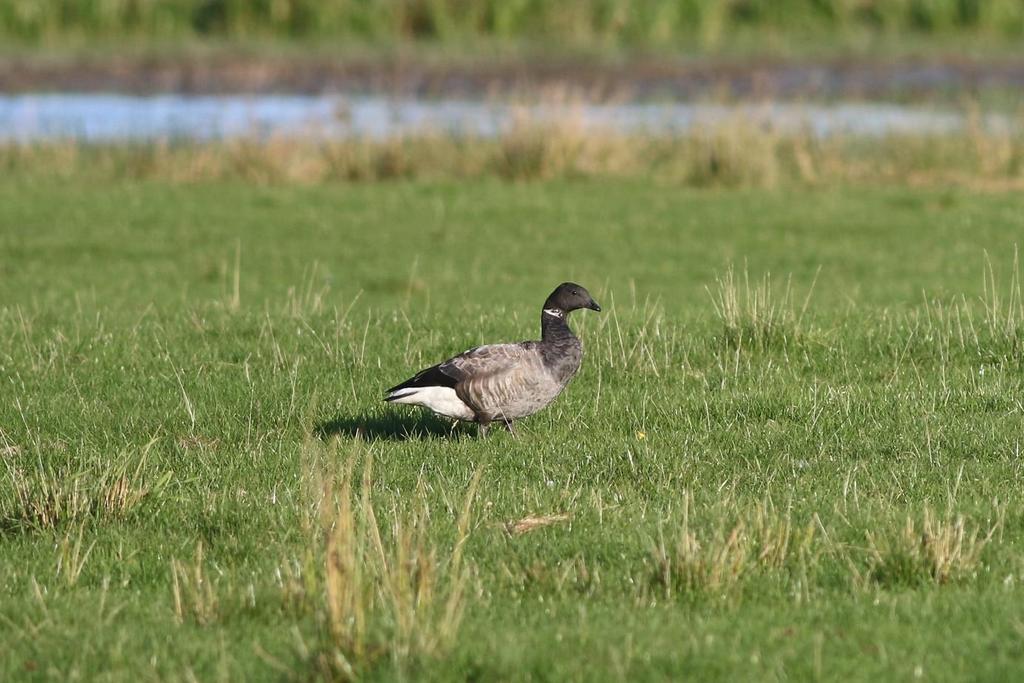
(593, 306)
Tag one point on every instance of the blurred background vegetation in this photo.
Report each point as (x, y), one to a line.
(695, 25)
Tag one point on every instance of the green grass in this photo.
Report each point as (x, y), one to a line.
(815, 475)
(601, 25)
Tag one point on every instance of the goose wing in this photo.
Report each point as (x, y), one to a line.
(491, 378)
(484, 361)
(431, 377)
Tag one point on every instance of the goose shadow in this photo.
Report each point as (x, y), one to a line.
(388, 427)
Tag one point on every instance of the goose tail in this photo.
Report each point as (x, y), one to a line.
(441, 400)
(431, 377)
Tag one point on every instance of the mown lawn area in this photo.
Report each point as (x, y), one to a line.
(793, 450)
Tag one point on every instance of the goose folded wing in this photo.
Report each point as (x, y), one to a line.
(492, 378)
(486, 361)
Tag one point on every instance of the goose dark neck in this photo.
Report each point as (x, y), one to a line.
(553, 326)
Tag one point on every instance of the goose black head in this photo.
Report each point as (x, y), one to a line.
(570, 296)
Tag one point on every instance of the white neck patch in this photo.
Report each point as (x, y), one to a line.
(554, 312)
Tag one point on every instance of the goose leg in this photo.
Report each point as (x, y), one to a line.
(482, 429)
(508, 426)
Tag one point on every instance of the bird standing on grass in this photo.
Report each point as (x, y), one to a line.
(504, 382)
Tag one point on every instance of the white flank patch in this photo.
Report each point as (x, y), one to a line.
(442, 400)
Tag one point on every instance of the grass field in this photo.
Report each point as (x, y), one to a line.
(812, 474)
(468, 30)
(711, 25)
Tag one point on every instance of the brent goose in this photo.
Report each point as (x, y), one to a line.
(504, 382)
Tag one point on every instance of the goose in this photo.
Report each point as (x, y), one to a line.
(504, 382)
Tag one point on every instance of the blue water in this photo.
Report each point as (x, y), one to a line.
(106, 117)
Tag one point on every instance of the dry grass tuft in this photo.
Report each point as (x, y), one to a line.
(556, 142)
(1004, 309)
(195, 595)
(991, 328)
(44, 497)
(198, 442)
(379, 590)
(71, 558)
(533, 522)
(756, 315)
(727, 555)
(714, 563)
(936, 550)
(732, 154)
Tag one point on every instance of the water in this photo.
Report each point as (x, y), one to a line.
(109, 118)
